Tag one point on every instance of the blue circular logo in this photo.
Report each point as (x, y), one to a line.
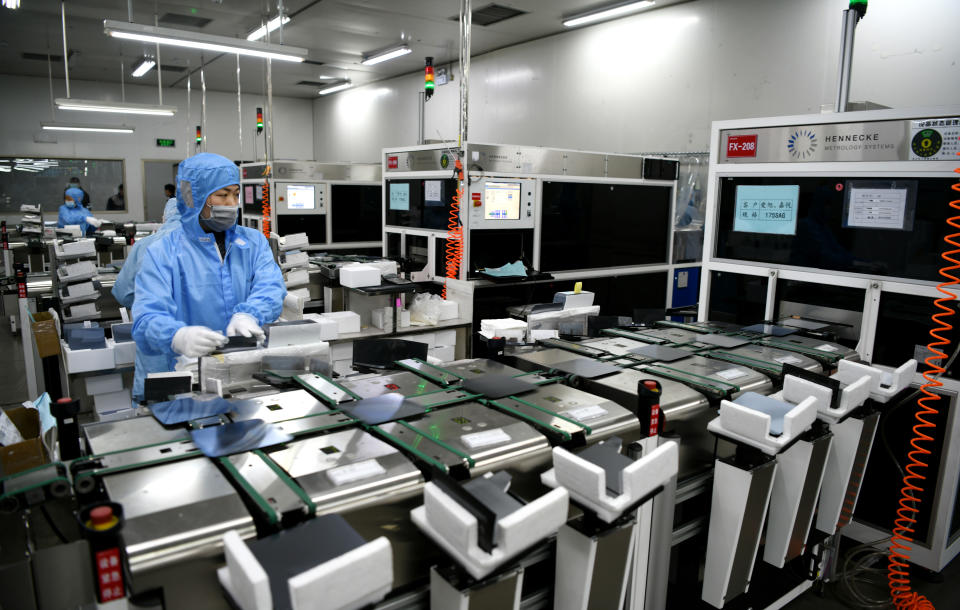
(802, 144)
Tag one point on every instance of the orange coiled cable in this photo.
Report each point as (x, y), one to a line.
(265, 202)
(454, 250)
(898, 574)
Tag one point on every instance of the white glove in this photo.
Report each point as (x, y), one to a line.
(244, 325)
(196, 341)
(94, 222)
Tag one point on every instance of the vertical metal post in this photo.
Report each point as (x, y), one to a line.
(63, 23)
(239, 113)
(156, 22)
(466, 20)
(421, 111)
(123, 88)
(53, 106)
(203, 108)
(850, 18)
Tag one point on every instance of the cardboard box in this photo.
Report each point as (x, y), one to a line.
(45, 335)
(29, 453)
(357, 276)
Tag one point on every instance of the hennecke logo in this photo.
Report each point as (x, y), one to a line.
(802, 144)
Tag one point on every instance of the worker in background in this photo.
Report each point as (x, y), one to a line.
(74, 183)
(125, 285)
(116, 202)
(171, 192)
(209, 278)
(72, 212)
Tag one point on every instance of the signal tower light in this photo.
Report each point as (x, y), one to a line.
(199, 136)
(259, 121)
(428, 83)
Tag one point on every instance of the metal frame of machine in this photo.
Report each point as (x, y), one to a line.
(526, 165)
(323, 176)
(725, 135)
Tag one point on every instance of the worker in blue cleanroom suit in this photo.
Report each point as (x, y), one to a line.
(123, 288)
(72, 212)
(209, 278)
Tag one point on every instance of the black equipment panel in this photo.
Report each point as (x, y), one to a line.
(356, 212)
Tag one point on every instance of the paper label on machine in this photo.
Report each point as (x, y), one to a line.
(788, 360)
(355, 472)
(485, 438)
(729, 374)
(585, 413)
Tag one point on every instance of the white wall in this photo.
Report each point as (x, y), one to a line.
(25, 103)
(655, 81)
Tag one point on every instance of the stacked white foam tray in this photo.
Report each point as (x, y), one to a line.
(76, 288)
(31, 223)
(295, 265)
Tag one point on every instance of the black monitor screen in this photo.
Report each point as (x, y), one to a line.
(590, 226)
(355, 210)
(876, 226)
(421, 204)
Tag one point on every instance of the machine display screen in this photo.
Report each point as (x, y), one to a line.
(885, 204)
(501, 201)
(767, 209)
(874, 225)
(400, 196)
(300, 196)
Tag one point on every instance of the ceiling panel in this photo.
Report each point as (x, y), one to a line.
(336, 32)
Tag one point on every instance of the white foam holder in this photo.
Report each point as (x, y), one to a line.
(453, 528)
(347, 321)
(102, 384)
(353, 580)
(571, 299)
(124, 353)
(294, 260)
(359, 275)
(83, 247)
(111, 402)
(896, 379)
(76, 272)
(752, 427)
(795, 390)
(86, 360)
(291, 242)
(382, 318)
(586, 481)
(386, 267)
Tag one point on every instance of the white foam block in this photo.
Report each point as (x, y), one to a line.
(357, 276)
(347, 321)
(328, 328)
(296, 334)
(102, 384)
(244, 577)
(353, 580)
(449, 310)
(110, 402)
(752, 427)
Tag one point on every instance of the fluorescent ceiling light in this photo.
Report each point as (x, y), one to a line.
(387, 54)
(273, 24)
(76, 127)
(11, 4)
(610, 12)
(144, 65)
(335, 88)
(206, 42)
(69, 103)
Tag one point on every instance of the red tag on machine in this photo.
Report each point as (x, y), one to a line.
(654, 420)
(392, 386)
(742, 146)
(393, 162)
(110, 575)
(477, 202)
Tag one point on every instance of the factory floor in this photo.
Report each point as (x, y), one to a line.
(942, 589)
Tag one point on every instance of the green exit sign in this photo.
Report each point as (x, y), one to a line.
(166, 142)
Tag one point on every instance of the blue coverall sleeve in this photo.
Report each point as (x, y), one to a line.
(154, 308)
(125, 285)
(268, 290)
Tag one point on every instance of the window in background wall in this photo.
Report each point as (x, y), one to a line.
(34, 180)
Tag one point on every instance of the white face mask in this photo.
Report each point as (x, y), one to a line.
(70, 204)
(222, 217)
